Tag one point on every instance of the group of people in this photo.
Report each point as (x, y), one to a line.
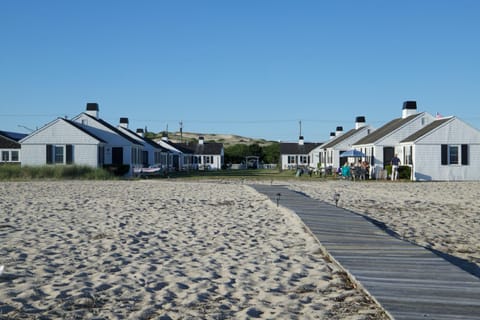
(362, 169)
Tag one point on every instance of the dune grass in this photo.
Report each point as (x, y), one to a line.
(16, 172)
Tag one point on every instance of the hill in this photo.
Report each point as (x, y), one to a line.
(226, 139)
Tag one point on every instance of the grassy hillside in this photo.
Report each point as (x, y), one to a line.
(226, 139)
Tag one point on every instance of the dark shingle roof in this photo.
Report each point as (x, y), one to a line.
(15, 136)
(386, 129)
(295, 148)
(114, 129)
(78, 126)
(428, 128)
(7, 143)
(203, 149)
(343, 137)
(149, 141)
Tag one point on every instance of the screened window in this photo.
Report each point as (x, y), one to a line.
(5, 156)
(15, 156)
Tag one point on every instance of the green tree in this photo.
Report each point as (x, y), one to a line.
(271, 153)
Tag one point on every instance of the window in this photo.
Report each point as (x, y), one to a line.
(15, 156)
(454, 154)
(291, 159)
(58, 154)
(304, 159)
(208, 159)
(5, 156)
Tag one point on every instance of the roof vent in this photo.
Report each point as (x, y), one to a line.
(92, 109)
(409, 108)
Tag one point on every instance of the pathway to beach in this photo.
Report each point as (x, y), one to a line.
(163, 250)
(410, 281)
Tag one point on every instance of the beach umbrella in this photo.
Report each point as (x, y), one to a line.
(352, 153)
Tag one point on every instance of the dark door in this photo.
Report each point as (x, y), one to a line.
(117, 155)
(388, 153)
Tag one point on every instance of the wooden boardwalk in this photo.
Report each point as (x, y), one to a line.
(409, 281)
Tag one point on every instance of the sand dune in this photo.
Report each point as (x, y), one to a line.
(163, 250)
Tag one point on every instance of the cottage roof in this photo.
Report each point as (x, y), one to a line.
(146, 140)
(82, 128)
(296, 148)
(113, 128)
(388, 128)
(179, 146)
(428, 128)
(207, 148)
(335, 141)
(7, 143)
(15, 136)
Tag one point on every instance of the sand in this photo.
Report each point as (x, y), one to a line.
(442, 216)
(165, 250)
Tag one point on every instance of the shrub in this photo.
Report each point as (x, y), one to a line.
(404, 172)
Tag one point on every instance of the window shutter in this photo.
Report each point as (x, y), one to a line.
(444, 154)
(69, 154)
(465, 154)
(49, 154)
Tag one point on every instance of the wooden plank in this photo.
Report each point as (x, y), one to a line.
(409, 281)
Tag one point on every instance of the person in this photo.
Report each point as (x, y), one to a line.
(395, 163)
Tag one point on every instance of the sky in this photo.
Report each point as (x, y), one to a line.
(262, 69)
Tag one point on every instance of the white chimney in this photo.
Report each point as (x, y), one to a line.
(332, 135)
(92, 109)
(200, 140)
(338, 131)
(409, 109)
(124, 123)
(359, 122)
(140, 132)
(301, 141)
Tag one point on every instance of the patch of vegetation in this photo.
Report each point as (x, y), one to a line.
(58, 172)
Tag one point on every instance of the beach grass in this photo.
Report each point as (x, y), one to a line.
(16, 172)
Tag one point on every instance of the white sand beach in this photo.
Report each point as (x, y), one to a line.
(175, 250)
(444, 216)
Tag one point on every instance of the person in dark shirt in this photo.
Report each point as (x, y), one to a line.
(395, 163)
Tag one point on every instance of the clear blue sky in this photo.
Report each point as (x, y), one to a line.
(253, 68)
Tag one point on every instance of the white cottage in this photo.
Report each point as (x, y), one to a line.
(84, 140)
(341, 142)
(62, 142)
(206, 155)
(382, 144)
(10, 147)
(120, 149)
(294, 155)
(447, 149)
(153, 154)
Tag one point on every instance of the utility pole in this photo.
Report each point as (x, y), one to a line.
(181, 131)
